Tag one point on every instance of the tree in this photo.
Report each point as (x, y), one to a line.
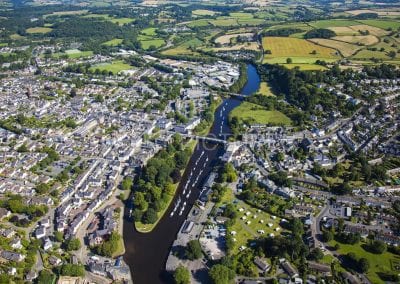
(193, 250)
(127, 183)
(363, 265)
(316, 254)
(72, 244)
(58, 236)
(72, 270)
(220, 274)
(327, 236)
(139, 201)
(289, 60)
(22, 149)
(377, 247)
(45, 276)
(181, 275)
(392, 54)
(150, 216)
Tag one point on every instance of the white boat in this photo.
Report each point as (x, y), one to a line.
(172, 214)
(188, 194)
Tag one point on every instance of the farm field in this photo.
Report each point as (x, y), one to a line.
(203, 12)
(378, 262)
(247, 46)
(148, 38)
(224, 22)
(256, 114)
(113, 42)
(227, 38)
(305, 67)
(198, 23)
(344, 31)
(366, 40)
(299, 50)
(323, 24)
(382, 24)
(115, 67)
(66, 13)
(184, 48)
(380, 12)
(372, 30)
(39, 30)
(346, 49)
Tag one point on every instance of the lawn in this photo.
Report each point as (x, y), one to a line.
(39, 30)
(75, 53)
(259, 220)
(378, 262)
(255, 114)
(115, 67)
(113, 42)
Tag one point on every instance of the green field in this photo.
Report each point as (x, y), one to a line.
(146, 44)
(198, 24)
(265, 89)
(305, 67)
(382, 24)
(73, 53)
(323, 24)
(378, 262)
(184, 48)
(202, 12)
(39, 30)
(113, 42)
(149, 32)
(255, 114)
(115, 67)
(224, 22)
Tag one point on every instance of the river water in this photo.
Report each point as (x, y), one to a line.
(146, 254)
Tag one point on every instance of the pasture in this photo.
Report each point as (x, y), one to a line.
(225, 39)
(255, 114)
(382, 24)
(323, 24)
(39, 30)
(184, 48)
(203, 12)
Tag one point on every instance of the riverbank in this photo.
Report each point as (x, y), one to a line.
(146, 254)
(147, 228)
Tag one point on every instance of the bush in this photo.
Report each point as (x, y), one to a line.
(193, 250)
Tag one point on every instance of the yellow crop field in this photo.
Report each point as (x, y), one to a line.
(295, 47)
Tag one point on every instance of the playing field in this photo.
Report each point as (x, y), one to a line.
(255, 114)
(39, 30)
(346, 49)
(281, 47)
(115, 67)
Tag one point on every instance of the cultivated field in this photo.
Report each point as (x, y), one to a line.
(372, 30)
(246, 46)
(202, 12)
(225, 39)
(299, 50)
(346, 49)
(366, 40)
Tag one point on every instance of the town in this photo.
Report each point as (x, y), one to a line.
(186, 143)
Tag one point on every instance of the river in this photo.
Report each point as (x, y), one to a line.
(146, 254)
